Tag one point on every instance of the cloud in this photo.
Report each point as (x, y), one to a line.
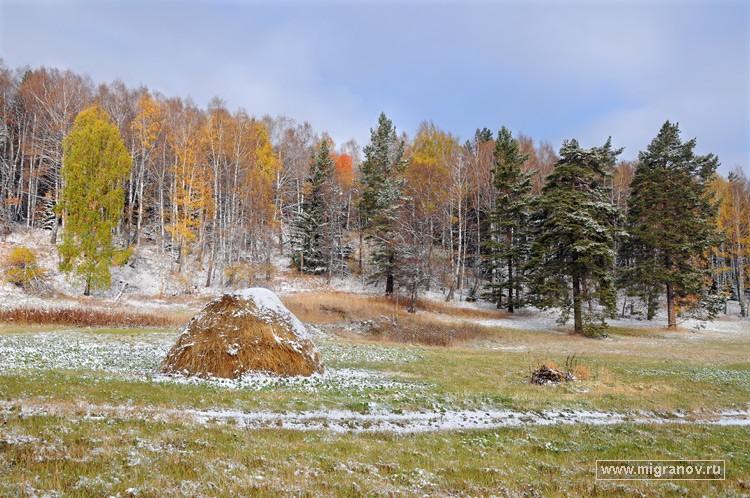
(553, 70)
(278, 75)
(639, 65)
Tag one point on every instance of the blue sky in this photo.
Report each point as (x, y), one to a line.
(551, 70)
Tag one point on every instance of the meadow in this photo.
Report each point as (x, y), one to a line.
(433, 403)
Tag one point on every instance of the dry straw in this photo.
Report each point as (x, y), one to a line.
(232, 335)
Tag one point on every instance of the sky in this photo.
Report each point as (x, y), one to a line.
(552, 70)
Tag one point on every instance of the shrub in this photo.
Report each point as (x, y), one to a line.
(21, 269)
(546, 374)
(243, 274)
(184, 282)
(239, 274)
(549, 373)
(122, 256)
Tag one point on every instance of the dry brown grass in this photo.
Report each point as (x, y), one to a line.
(390, 319)
(225, 340)
(334, 307)
(77, 317)
(426, 332)
(331, 307)
(456, 311)
(582, 372)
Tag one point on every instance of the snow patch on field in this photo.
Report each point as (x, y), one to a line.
(344, 354)
(342, 421)
(137, 357)
(547, 320)
(333, 379)
(536, 320)
(14, 439)
(131, 355)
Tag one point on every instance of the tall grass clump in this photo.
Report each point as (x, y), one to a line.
(88, 318)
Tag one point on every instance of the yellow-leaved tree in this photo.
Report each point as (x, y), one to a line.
(192, 193)
(147, 127)
(260, 179)
(428, 183)
(733, 221)
(95, 165)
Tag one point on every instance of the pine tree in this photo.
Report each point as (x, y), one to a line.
(382, 177)
(572, 255)
(509, 238)
(95, 165)
(670, 222)
(310, 248)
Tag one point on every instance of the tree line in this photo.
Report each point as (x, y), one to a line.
(496, 217)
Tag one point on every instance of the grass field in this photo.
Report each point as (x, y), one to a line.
(84, 413)
(104, 458)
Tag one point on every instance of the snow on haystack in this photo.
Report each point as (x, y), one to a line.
(248, 330)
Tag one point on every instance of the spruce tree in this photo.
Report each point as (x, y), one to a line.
(572, 255)
(509, 241)
(670, 221)
(482, 135)
(382, 178)
(310, 249)
(95, 166)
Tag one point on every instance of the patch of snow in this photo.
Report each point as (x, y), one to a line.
(343, 421)
(270, 307)
(525, 319)
(17, 440)
(533, 319)
(354, 381)
(131, 356)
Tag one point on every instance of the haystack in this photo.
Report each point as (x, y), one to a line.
(249, 330)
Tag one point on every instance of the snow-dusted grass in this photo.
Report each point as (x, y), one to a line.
(132, 353)
(93, 456)
(122, 357)
(353, 381)
(628, 373)
(84, 413)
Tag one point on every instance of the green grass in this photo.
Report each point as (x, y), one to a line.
(619, 382)
(18, 328)
(101, 458)
(426, 377)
